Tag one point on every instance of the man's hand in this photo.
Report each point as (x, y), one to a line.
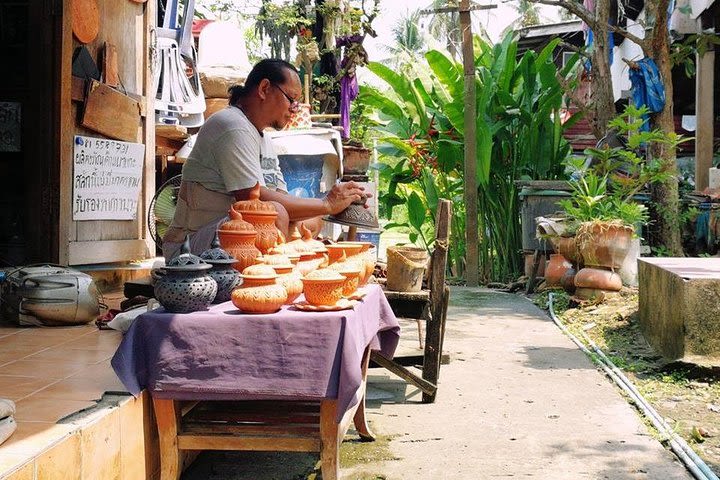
(342, 195)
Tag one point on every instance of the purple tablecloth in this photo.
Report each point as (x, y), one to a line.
(221, 354)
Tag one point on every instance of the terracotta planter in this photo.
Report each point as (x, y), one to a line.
(568, 280)
(567, 247)
(323, 287)
(237, 237)
(597, 278)
(356, 160)
(262, 216)
(604, 244)
(555, 269)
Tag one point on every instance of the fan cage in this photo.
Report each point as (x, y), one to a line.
(162, 208)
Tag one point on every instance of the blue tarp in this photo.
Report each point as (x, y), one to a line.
(647, 88)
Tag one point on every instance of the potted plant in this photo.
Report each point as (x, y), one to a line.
(602, 208)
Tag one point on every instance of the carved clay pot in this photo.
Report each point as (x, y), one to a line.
(336, 253)
(262, 216)
(367, 259)
(604, 244)
(184, 285)
(352, 281)
(597, 278)
(291, 280)
(237, 237)
(259, 291)
(309, 262)
(323, 287)
(555, 269)
(222, 271)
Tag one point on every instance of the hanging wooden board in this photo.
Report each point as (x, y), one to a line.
(110, 65)
(85, 20)
(111, 113)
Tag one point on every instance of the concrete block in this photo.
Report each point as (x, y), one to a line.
(680, 307)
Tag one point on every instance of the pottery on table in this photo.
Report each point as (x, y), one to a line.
(291, 279)
(309, 262)
(237, 237)
(368, 259)
(352, 280)
(222, 271)
(323, 287)
(259, 291)
(183, 285)
(262, 216)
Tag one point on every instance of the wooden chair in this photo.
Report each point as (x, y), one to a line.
(429, 305)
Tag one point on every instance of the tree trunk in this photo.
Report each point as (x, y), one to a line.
(665, 195)
(603, 103)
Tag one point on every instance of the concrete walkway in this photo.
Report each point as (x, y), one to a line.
(518, 400)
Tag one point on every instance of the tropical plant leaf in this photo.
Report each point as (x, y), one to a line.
(416, 211)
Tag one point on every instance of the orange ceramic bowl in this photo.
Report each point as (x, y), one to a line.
(323, 287)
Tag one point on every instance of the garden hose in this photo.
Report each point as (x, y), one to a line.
(690, 459)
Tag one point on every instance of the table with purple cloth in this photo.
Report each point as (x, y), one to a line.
(221, 354)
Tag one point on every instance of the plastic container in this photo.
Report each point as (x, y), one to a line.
(537, 203)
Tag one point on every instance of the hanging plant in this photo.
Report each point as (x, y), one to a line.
(279, 24)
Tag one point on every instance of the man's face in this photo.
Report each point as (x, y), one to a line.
(287, 96)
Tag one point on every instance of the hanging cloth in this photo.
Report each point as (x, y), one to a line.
(647, 88)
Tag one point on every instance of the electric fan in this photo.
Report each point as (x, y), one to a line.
(162, 208)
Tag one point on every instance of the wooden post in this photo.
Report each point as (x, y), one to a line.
(470, 193)
(704, 114)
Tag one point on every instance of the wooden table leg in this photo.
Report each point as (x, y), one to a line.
(330, 438)
(167, 416)
(359, 419)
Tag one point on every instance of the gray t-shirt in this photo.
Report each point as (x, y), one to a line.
(230, 154)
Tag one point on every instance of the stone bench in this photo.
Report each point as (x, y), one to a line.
(680, 307)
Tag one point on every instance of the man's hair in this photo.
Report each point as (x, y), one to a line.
(274, 69)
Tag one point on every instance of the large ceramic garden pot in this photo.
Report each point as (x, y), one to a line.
(567, 247)
(183, 285)
(262, 216)
(323, 287)
(222, 271)
(237, 237)
(555, 269)
(599, 279)
(603, 244)
(259, 291)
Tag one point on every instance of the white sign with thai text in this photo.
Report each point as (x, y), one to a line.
(107, 175)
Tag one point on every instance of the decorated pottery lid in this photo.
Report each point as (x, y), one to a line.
(315, 245)
(275, 259)
(254, 205)
(323, 274)
(215, 255)
(236, 222)
(259, 270)
(186, 261)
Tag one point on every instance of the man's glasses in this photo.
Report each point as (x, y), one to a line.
(294, 104)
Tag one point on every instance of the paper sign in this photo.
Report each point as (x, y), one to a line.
(107, 175)
(9, 127)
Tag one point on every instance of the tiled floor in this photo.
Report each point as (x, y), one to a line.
(51, 373)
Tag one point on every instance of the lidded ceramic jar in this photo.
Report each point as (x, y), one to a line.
(222, 271)
(316, 246)
(237, 237)
(184, 285)
(289, 278)
(352, 279)
(262, 216)
(259, 291)
(323, 287)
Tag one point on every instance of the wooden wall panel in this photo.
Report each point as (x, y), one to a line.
(127, 25)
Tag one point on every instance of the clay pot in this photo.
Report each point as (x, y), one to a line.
(309, 262)
(222, 271)
(237, 237)
(603, 244)
(352, 281)
(291, 280)
(262, 216)
(567, 247)
(591, 294)
(568, 280)
(184, 285)
(323, 287)
(597, 278)
(555, 269)
(259, 291)
(336, 253)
